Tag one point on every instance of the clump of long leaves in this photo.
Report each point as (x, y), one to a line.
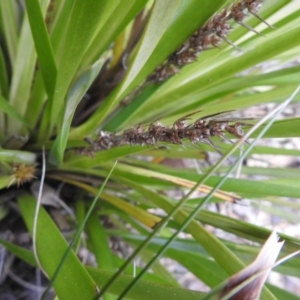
(77, 71)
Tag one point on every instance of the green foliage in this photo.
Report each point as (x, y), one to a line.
(52, 57)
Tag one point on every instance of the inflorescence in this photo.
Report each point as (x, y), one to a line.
(201, 131)
(209, 36)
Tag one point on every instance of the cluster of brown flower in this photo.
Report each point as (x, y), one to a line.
(200, 131)
(207, 37)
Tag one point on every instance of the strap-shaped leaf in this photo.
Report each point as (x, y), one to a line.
(73, 281)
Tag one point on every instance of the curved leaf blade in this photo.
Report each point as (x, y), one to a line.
(73, 281)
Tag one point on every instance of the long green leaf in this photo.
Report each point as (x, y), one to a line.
(16, 156)
(23, 72)
(81, 28)
(4, 76)
(8, 14)
(117, 15)
(98, 241)
(11, 111)
(22, 253)
(77, 91)
(73, 281)
(42, 44)
(145, 290)
(180, 87)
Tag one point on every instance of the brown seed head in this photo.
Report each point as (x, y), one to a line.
(22, 173)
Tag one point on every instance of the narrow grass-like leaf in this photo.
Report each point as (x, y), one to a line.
(246, 187)
(123, 12)
(42, 45)
(161, 15)
(213, 76)
(73, 280)
(144, 217)
(101, 157)
(149, 177)
(158, 269)
(8, 14)
(250, 188)
(59, 28)
(207, 270)
(212, 102)
(15, 156)
(3, 78)
(282, 129)
(11, 111)
(82, 26)
(24, 64)
(80, 213)
(36, 101)
(22, 253)
(282, 293)
(98, 240)
(145, 290)
(268, 172)
(241, 228)
(154, 277)
(77, 91)
(275, 151)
